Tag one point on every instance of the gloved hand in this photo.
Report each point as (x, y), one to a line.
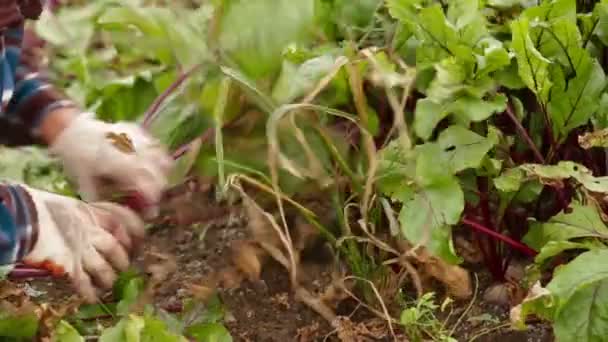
(87, 241)
(119, 156)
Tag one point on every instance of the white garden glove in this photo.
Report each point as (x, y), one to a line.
(87, 242)
(121, 156)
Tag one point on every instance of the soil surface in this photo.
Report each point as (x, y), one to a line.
(266, 311)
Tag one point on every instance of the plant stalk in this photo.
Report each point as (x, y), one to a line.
(515, 244)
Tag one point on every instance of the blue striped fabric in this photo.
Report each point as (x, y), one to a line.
(25, 98)
(26, 95)
(18, 223)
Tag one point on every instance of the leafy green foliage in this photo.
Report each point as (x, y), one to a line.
(487, 101)
(18, 325)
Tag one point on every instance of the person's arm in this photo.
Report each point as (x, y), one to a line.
(18, 223)
(34, 104)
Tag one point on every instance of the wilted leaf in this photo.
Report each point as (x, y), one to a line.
(594, 139)
(553, 174)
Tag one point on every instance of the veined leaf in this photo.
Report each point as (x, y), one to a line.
(584, 270)
(582, 221)
(601, 27)
(576, 289)
(533, 66)
(550, 11)
(562, 42)
(439, 37)
(585, 316)
(574, 105)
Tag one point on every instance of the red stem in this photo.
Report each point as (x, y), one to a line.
(24, 272)
(493, 262)
(515, 244)
(522, 131)
(154, 107)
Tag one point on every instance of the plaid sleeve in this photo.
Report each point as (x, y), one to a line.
(18, 224)
(28, 96)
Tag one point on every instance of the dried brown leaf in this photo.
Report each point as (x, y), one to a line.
(456, 279)
(308, 333)
(248, 257)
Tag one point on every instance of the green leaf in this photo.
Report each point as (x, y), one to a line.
(64, 332)
(135, 328)
(156, 330)
(130, 294)
(257, 45)
(296, 81)
(427, 215)
(209, 332)
(463, 149)
(550, 11)
(553, 248)
(533, 67)
(427, 115)
(431, 166)
(584, 270)
(396, 171)
(351, 15)
(574, 105)
(429, 112)
(440, 39)
(600, 120)
(510, 180)
(462, 12)
(601, 28)
(585, 316)
(495, 57)
(18, 324)
(73, 29)
(582, 221)
(450, 76)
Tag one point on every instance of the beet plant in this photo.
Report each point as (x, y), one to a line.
(421, 126)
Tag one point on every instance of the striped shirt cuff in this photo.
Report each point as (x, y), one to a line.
(18, 223)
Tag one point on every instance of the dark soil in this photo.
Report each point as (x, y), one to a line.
(266, 311)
